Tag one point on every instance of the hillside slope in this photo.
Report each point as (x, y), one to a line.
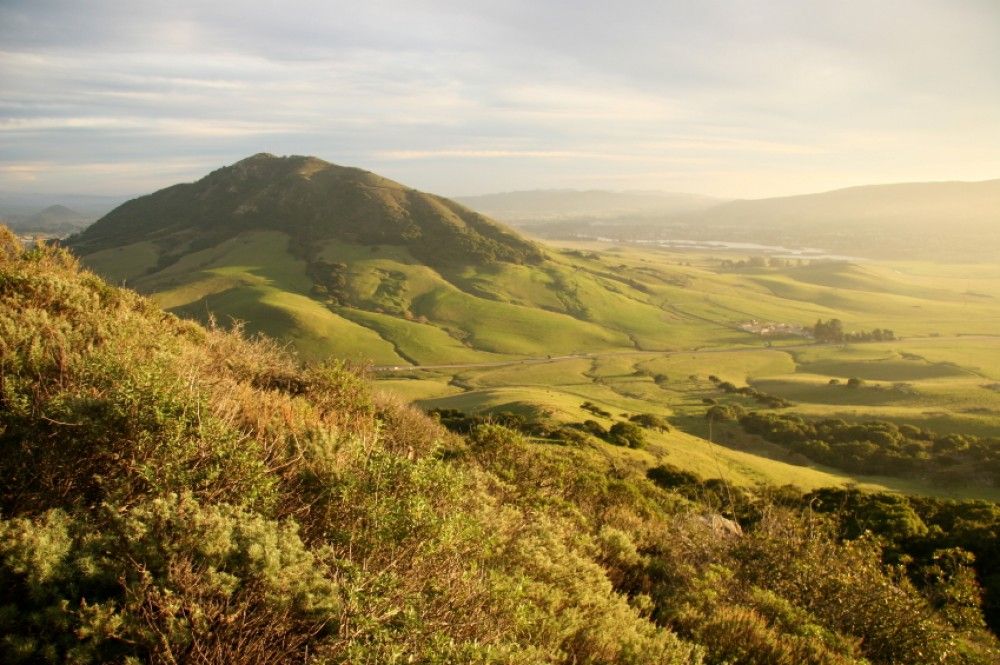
(170, 493)
(310, 200)
(338, 261)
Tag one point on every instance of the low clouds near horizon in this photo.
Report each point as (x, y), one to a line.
(724, 97)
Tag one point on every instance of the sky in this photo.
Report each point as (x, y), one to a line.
(732, 98)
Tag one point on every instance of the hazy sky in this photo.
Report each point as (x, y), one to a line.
(725, 97)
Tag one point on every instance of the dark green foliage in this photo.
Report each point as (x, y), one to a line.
(951, 548)
(724, 412)
(329, 280)
(594, 409)
(669, 476)
(626, 434)
(882, 447)
(832, 332)
(651, 421)
(461, 423)
(769, 401)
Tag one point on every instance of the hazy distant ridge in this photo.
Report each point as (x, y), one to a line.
(971, 203)
(535, 205)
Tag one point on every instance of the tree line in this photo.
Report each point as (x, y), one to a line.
(832, 332)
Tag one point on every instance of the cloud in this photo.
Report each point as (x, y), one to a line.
(724, 96)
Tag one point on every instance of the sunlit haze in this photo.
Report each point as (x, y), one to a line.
(726, 98)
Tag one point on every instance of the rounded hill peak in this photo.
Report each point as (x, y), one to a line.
(312, 201)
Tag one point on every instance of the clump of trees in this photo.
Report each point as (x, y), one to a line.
(881, 447)
(770, 401)
(594, 409)
(832, 332)
(622, 433)
(762, 262)
(650, 421)
(724, 413)
(329, 280)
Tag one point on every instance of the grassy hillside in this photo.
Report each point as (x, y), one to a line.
(339, 261)
(570, 303)
(172, 493)
(641, 329)
(940, 377)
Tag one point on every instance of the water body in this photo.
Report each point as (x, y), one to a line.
(777, 251)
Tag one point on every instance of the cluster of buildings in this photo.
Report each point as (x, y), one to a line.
(771, 329)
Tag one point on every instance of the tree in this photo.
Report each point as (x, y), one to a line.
(831, 331)
(626, 434)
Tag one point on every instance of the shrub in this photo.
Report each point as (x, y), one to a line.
(626, 434)
(651, 421)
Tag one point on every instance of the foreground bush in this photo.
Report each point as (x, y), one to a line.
(175, 494)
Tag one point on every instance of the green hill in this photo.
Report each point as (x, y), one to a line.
(310, 200)
(339, 261)
(627, 315)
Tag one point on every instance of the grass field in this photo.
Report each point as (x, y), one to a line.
(644, 329)
(942, 376)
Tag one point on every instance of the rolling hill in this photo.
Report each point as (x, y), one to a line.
(340, 261)
(311, 201)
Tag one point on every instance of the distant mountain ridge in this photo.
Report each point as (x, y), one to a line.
(964, 202)
(312, 201)
(25, 204)
(53, 220)
(556, 204)
(57, 218)
(954, 221)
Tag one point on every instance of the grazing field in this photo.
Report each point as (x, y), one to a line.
(943, 374)
(628, 329)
